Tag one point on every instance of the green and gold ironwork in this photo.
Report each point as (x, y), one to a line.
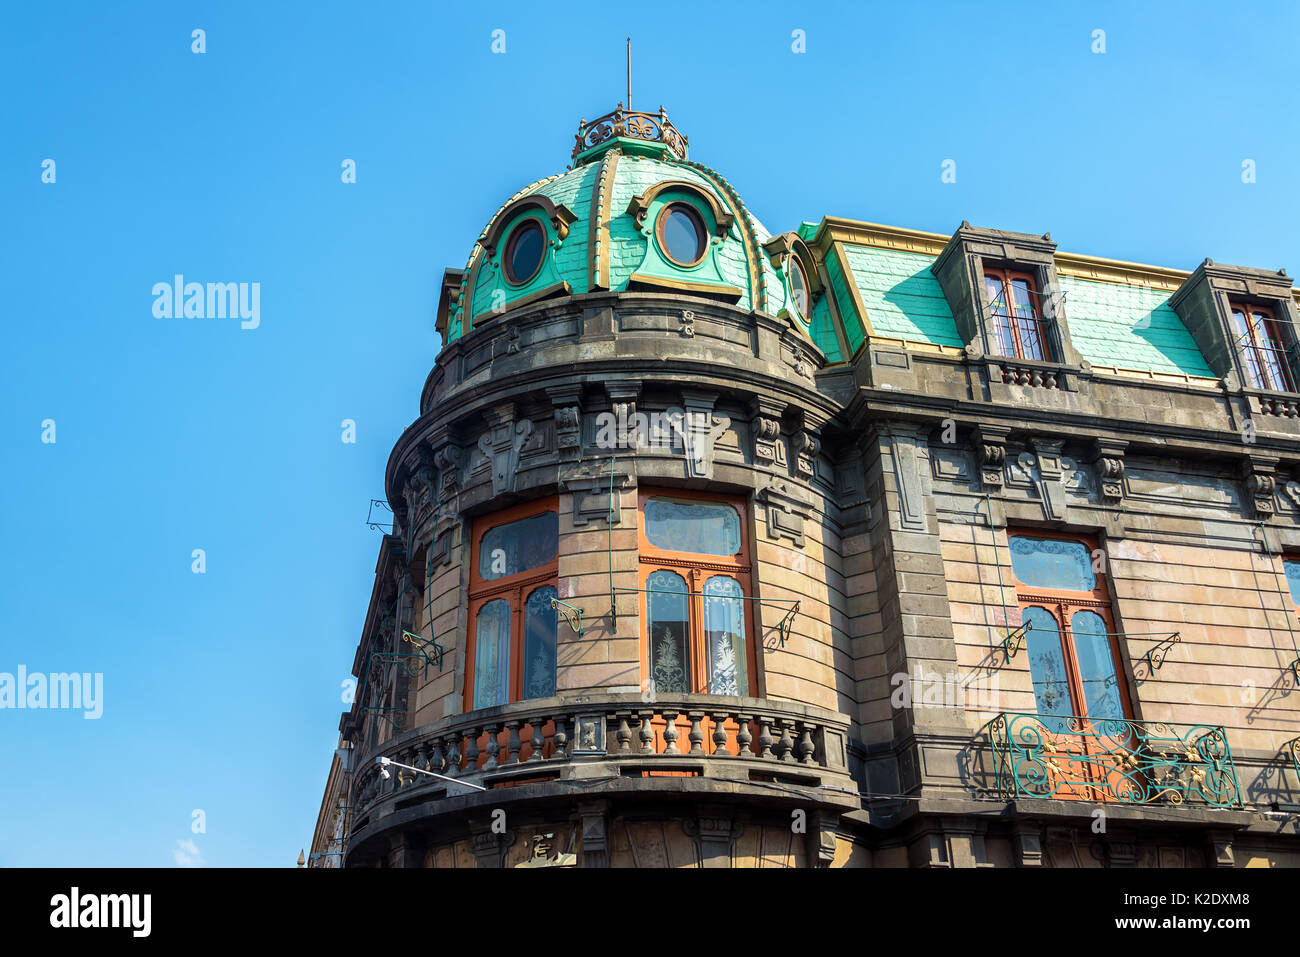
(621, 124)
(1015, 640)
(570, 614)
(1155, 656)
(1112, 760)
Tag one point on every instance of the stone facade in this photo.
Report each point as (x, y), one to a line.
(879, 490)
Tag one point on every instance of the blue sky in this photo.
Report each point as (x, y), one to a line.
(222, 690)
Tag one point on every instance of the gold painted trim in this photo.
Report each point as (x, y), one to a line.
(560, 288)
(682, 285)
(854, 294)
(834, 230)
(598, 242)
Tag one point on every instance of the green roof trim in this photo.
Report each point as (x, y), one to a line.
(1130, 327)
(822, 330)
(902, 297)
(853, 331)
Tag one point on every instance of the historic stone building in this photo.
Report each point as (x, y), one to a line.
(848, 545)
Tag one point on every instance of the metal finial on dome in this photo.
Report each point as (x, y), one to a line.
(634, 131)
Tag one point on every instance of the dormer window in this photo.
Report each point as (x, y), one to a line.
(524, 249)
(681, 234)
(1259, 335)
(799, 288)
(1017, 315)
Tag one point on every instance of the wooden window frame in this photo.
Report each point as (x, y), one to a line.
(1007, 276)
(1056, 601)
(515, 589)
(696, 569)
(1252, 347)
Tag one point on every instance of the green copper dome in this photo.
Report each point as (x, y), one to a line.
(633, 213)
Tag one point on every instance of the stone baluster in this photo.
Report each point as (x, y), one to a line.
(493, 748)
(538, 739)
(513, 743)
(452, 750)
(719, 734)
(421, 760)
(560, 739)
(765, 739)
(624, 733)
(786, 744)
(805, 743)
(670, 732)
(471, 750)
(646, 732)
(743, 736)
(435, 757)
(696, 735)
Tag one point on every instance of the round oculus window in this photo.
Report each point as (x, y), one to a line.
(523, 258)
(799, 287)
(681, 234)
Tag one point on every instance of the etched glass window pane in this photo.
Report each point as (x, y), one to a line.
(492, 655)
(1096, 666)
(724, 630)
(540, 624)
(1047, 668)
(707, 528)
(1052, 563)
(1293, 579)
(669, 653)
(1272, 352)
(518, 546)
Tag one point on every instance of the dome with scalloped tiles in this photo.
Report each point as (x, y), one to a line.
(632, 213)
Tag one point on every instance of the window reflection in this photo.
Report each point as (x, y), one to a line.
(1052, 563)
(706, 528)
(518, 546)
(1047, 668)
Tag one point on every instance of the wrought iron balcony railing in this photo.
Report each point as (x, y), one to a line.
(748, 739)
(1112, 760)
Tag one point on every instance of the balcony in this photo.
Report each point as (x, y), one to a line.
(1114, 761)
(711, 744)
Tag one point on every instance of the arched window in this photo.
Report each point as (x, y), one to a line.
(511, 647)
(695, 572)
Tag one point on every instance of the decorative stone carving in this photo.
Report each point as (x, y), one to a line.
(501, 445)
(765, 422)
(623, 398)
(786, 510)
(449, 459)
(687, 320)
(1108, 460)
(512, 341)
(990, 446)
(805, 447)
(1043, 468)
(900, 449)
(801, 364)
(1261, 484)
(699, 430)
(715, 833)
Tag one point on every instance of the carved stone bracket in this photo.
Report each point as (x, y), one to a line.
(990, 444)
(1044, 467)
(805, 447)
(787, 510)
(501, 445)
(450, 460)
(567, 405)
(622, 406)
(488, 847)
(1261, 484)
(699, 430)
(1107, 457)
(765, 422)
(715, 833)
(595, 837)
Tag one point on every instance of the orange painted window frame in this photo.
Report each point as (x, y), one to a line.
(515, 589)
(1260, 368)
(1061, 603)
(696, 569)
(1037, 324)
